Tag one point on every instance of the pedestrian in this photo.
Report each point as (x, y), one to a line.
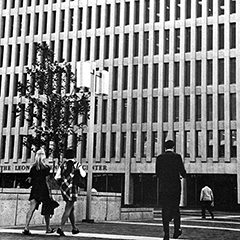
(40, 191)
(169, 169)
(69, 190)
(207, 201)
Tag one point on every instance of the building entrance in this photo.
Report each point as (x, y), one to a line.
(224, 188)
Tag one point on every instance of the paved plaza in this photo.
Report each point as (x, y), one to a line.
(226, 225)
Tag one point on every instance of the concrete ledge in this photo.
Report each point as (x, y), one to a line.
(14, 205)
(136, 213)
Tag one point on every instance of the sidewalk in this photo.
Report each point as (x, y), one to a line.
(225, 226)
(93, 231)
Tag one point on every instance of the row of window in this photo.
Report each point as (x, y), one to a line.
(28, 21)
(126, 46)
(21, 2)
(220, 114)
(22, 56)
(189, 4)
(147, 144)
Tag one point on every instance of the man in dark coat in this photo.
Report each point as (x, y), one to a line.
(169, 170)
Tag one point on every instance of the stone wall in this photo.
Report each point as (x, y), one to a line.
(136, 213)
(14, 205)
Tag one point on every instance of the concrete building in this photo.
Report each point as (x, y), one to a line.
(173, 68)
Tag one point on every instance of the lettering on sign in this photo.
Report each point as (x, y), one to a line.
(26, 168)
(96, 167)
(15, 168)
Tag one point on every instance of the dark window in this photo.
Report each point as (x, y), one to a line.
(232, 36)
(127, 13)
(221, 7)
(198, 108)
(133, 144)
(136, 13)
(177, 10)
(209, 72)
(144, 110)
(232, 70)
(165, 109)
(125, 77)
(156, 42)
(187, 73)
(97, 48)
(221, 36)
(176, 109)
(98, 17)
(135, 77)
(145, 76)
(188, 8)
(199, 39)
(114, 111)
(126, 43)
(198, 73)
(108, 15)
(166, 75)
(233, 143)
(166, 41)
(116, 46)
(188, 39)
(221, 107)
(210, 8)
(209, 107)
(115, 78)
(146, 11)
(89, 17)
(187, 109)
(177, 40)
(145, 44)
(199, 8)
(221, 143)
(155, 109)
(134, 110)
(233, 106)
(232, 6)
(210, 143)
(157, 10)
(155, 76)
(221, 71)
(176, 74)
(209, 37)
(167, 10)
(106, 47)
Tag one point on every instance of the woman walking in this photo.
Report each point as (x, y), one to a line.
(40, 192)
(69, 190)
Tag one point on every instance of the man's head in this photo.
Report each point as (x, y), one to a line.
(69, 154)
(169, 144)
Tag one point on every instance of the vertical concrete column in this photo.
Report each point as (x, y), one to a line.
(183, 199)
(128, 190)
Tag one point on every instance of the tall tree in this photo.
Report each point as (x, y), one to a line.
(52, 104)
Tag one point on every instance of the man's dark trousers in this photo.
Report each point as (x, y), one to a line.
(170, 210)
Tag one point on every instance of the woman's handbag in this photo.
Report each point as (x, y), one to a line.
(53, 204)
(78, 180)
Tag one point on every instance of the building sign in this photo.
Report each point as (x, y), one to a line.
(15, 168)
(22, 168)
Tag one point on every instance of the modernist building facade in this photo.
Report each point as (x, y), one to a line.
(173, 71)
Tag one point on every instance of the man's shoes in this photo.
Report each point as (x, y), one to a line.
(26, 232)
(51, 230)
(177, 233)
(60, 232)
(75, 231)
(166, 237)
